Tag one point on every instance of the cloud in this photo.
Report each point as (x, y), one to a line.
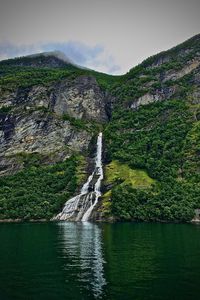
(9, 50)
(94, 57)
(106, 63)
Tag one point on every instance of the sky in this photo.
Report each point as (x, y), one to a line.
(110, 36)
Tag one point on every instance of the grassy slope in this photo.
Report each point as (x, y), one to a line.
(118, 174)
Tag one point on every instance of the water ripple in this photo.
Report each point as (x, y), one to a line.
(81, 246)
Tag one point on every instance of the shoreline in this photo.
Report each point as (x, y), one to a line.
(17, 221)
(23, 221)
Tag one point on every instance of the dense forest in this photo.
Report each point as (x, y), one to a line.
(37, 192)
(156, 138)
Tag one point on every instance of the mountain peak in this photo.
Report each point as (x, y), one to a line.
(57, 54)
(52, 59)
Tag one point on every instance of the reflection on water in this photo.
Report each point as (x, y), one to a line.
(82, 248)
(65, 261)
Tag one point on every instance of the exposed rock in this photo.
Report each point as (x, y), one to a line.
(160, 61)
(35, 124)
(38, 96)
(158, 95)
(174, 75)
(9, 165)
(82, 99)
(7, 97)
(41, 133)
(197, 77)
(166, 92)
(37, 133)
(194, 97)
(146, 99)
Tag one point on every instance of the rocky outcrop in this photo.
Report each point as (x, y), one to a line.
(167, 91)
(38, 132)
(174, 75)
(194, 96)
(158, 95)
(81, 99)
(160, 61)
(41, 133)
(32, 119)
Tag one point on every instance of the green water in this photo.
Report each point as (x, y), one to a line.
(89, 261)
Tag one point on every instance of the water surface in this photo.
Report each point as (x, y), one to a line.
(57, 261)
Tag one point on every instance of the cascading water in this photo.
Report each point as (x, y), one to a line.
(99, 173)
(80, 207)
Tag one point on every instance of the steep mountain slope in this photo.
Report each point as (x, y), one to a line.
(51, 111)
(155, 127)
(47, 110)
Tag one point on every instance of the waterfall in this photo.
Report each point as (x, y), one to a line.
(80, 207)
(99, 173)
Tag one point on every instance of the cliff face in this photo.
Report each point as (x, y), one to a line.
(42, 119)
(82, 99)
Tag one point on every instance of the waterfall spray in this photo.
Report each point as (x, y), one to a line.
(99, 172)
(80, 207)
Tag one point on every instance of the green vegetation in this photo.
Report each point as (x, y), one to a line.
(12, 77)
(26, 76)
(150, 138)
(81, 174)
(38, 191)
(116, 172)
(106, 204)
(146, 77)
(192, 45)
(162, 139)
(5, 109)
(81, 124)
(172, 203)
(78, 123)
(30, 160)
(191, 152)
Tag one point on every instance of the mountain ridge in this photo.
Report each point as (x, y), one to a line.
(62, 56)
